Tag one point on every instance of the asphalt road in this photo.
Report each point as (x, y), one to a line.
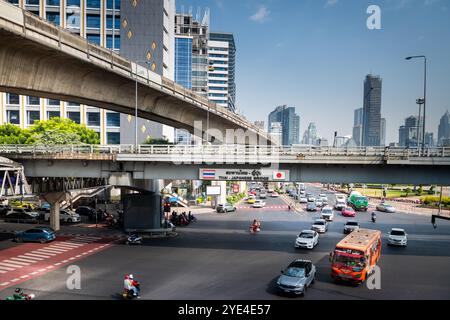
(217, 258)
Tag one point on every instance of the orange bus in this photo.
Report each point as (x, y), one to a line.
(356, 255)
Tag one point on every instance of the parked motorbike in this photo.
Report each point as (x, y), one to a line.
(134, 239)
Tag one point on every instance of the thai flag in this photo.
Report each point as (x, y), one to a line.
(209, 174)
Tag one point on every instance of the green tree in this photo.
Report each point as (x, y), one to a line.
(153, 141)
(12, 134)
(420, 190)
(62, 131)
(408, 191)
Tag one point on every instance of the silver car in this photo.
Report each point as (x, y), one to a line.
(226, 207)
(351, 226)
(320, 226)
(297, 277)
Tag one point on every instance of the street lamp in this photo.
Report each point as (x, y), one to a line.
(136, 104)
(424, 93)
(420, 102)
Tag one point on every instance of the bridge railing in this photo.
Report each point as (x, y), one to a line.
(296, 152)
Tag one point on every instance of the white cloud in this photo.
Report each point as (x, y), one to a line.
(331, 3)
(261, 15)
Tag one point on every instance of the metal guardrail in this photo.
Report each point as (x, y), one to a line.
(239, 150)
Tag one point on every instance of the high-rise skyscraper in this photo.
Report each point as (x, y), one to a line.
(310, 136)
(290, 122)
(372, 111)
(221, 74)
(408, 132)
(383, 132)
(357, 126)
(276, 132)
(192, 31)
(222, 70)
(148, 38)
(444, 128)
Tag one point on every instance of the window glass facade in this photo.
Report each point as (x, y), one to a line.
(12, 98)
(94, 38)
(93, 21)
(33, 101)
(74, 116)
(93, 119)
(113, 119)
(53, 114)
(13, 116)
(183, 62)
(55, 3)
(93, 4)
(33, 116)
(54, 18)
(113, 137)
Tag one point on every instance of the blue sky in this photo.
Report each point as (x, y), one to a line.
(314, 55)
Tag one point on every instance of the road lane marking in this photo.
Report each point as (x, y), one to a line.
(4, 283)
(30, 258)
(6, 268)
(57, 249)
(24, 276)
(1, 271)
(33, 256)
(61, 247)
(44, 253)
(10, 265)
(37, 254)
(23, 260)
(17, 262)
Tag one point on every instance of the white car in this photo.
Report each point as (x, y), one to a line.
(259, 204)
(320, 225)
(327, 214)
(275, 194)
(307, 239)
(263, 195)
(340, 205)
(323, 196)
(311, 199)
(303, 200)
(319, 203)
(398, 237)
(66, 216)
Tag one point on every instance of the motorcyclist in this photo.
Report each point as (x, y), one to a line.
(256, 226)
(19, 294)
(374, 216)
(135, 287)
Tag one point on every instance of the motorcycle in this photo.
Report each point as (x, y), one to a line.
(129, 294)
(134, 239)
(30, 296)
(374, 218)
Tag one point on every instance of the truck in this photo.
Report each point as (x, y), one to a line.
(357, 201)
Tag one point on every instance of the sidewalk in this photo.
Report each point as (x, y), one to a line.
(288, 200)
(194, 210)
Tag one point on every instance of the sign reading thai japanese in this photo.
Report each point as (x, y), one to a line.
(244, 175)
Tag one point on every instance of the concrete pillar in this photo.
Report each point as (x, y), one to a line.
(54, 216)
(119, 179)
(242, 186)
(55, 199)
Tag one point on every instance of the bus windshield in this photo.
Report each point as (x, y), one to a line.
(349, 260)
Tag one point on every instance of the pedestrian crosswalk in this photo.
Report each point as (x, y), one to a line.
(31, 259)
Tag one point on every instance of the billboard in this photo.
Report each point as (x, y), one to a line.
(213, 190)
